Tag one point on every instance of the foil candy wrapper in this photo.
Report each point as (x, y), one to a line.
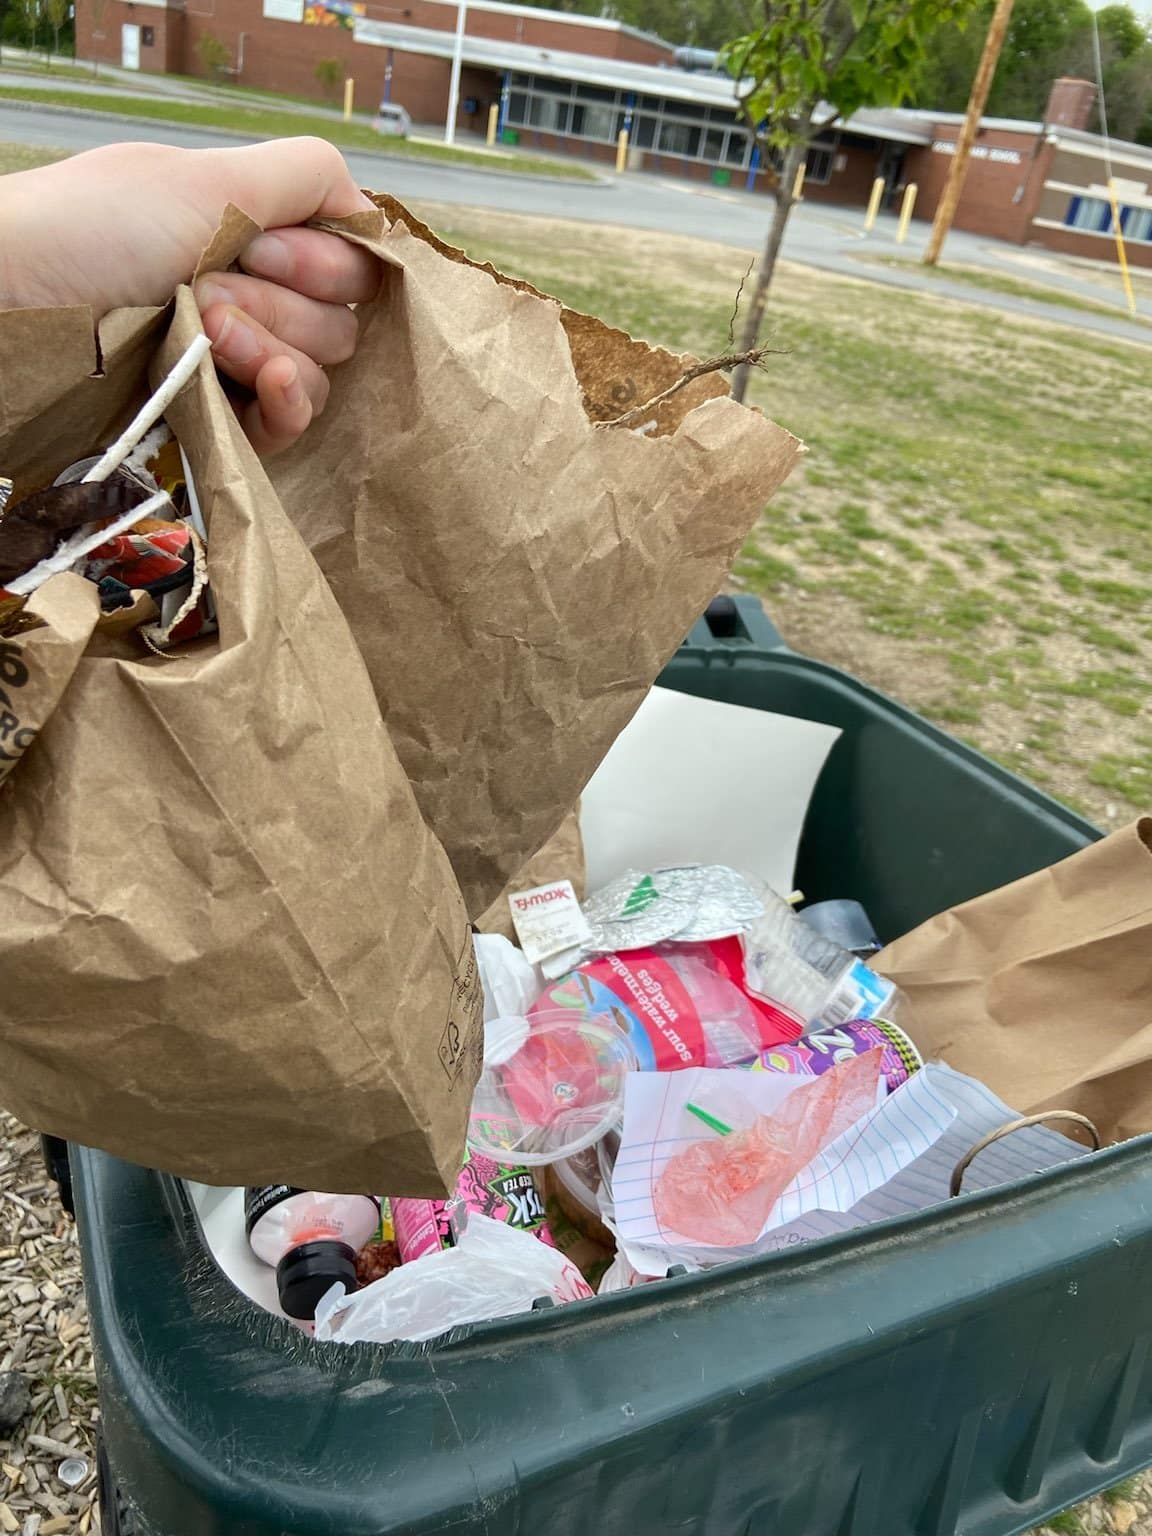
(687, 904)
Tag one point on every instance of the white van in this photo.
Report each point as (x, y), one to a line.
(392, 120)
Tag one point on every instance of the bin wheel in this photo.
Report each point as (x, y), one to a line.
(55, 1153)
(116, 1519)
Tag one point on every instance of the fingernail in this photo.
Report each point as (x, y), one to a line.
(268, 256)
(236, 343)
(293, 390)
(208, 293)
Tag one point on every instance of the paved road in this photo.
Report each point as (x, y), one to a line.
(827, 238)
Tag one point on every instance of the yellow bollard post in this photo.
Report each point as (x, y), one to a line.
(798, 184)
(622, 152)
(493, 120)
(349, 92)
(874, 205)
(906, 208)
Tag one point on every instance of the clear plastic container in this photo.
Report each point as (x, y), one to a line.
(552, 1085)
(806, 975)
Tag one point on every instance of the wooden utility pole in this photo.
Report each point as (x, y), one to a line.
(946, 211)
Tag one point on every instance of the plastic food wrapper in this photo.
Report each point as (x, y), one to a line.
(820, 1050)
(720, 1190)
(688, 904)
(552, 1085)
(805, 978)
(494, 1271)
(681, 1006)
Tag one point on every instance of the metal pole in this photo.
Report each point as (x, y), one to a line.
(622, 152)
(454, 82)
(388, 61)
(349, 94)
(753, 167)
(798, 184)
(505, 92)
(493, 120)
(946, 211)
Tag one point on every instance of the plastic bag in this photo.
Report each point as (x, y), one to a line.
(720, 1191)
(511, 984)
(494, 1271)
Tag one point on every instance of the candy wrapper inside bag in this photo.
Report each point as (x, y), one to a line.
(494, 1271)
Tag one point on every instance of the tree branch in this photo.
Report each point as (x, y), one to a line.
(726, 361)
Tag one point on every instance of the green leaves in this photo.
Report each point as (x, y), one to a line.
(808, 55)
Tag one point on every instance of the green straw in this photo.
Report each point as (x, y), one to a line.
(709, 1120)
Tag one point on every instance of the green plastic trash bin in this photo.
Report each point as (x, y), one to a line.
(510, 136)
(721, 178)
(965, 1370)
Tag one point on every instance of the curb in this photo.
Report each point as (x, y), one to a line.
(93, 115)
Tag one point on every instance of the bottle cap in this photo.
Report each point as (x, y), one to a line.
(305, 1274)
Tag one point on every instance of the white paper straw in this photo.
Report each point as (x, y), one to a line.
(149, 413)
(82, 544)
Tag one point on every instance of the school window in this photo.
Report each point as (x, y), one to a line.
(1089, 213)
(819, 168)
(679, 139)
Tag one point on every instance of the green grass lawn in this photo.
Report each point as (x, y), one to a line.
(25, 157)
(972, 527)
(268, 123)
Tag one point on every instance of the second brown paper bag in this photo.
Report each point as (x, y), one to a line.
(1043, 989)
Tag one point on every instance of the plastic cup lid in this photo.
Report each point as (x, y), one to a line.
(552, 1085)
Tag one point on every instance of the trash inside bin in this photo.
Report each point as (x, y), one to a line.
(967, 1368)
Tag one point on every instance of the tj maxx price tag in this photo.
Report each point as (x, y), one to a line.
(548, 919)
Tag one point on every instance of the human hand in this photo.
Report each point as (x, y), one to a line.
(124, 225)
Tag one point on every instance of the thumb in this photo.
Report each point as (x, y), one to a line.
(287, 181)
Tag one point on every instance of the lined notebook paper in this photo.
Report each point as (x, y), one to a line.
(898, 1159)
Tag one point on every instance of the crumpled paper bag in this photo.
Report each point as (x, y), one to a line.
(229, 945)
(516, 571)
(1043, 989)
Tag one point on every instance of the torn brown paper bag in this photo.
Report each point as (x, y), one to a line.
(229, 944)
(1043, 989)
(516, 570)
